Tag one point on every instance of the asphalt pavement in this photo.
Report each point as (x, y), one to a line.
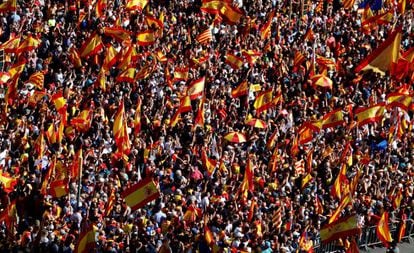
(404, 248)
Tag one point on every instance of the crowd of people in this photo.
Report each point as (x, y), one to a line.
(278, 209)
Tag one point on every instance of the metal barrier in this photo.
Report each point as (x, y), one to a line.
(368, 238)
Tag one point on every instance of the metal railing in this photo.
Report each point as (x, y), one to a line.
(368, 238)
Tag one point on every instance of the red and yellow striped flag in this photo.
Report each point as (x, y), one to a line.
(74, 57)
(28, 44)
(199, 120)
(181, 74)
(370, 114)
(128, 75)
(146, 38)
(265, 30)
(59, 101)
(59, 188)
(8, 6)
(136, 5)
(205, 37)
(209, 164)
(100, 8)
(344, 202)
(141, 193)
(91, 46)
(263, 101)
(234, 61)
(383, 231)
(348, 4)
(341, 228)
(400, 100)
(241, 90)
(87, 240)
(118, 34)
(110, 204)
(37, 79)
(8, 182)
(196, 88)
(333, 119)
(11, 45)
(299, 59)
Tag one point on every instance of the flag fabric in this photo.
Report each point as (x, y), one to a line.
(91, 46)
(271, 142)
(100, 8)
(209, 164)
(299, 168)
(15, 70)
(192, 214)
(341, 228)
(397, 199)
(208, 235)
(383, 231)
(59, 101)
(382, 58)
(196, 88)
(59, 188)
(110, 204)
(205, 37)
(305, 243)
(199, 119)
(128, 75)
(241, 90)
(9, 214)
(28, 44)
(344, 202)
(263, 101)
(141, 193)
(181, 74)
(348, 4)
(400, 100)
(305, 133)
(83, 121)
(37, 79)
(8, 6)
(74, 57)
(118, 33)
(136, 5)
(403, 227)
(153, 22)
(87, 240)
(266, 28)
(298, 59)
(8, 182)
(370, 114)
(230, 14)
(77, 164)
(353, 247)
(306, 180)
(11, 45)
(333, 119)
(234, 61)
(277, 218)
(110, 58)
(146, 38)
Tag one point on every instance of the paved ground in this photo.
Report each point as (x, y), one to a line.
(404, 248)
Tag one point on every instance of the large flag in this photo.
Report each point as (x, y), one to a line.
(209, 164)
(396, 99)
(383, 231)
(128, 75)
(8, 6)
(146, 38)
(118, 34)
(91, 46)
(263, 101)
(59, 188)
(382, 58)
(110, 57)
(141, 193)
(370, 114)
(234, 61)
(28, 44)
(8, 182)
(241, 90)
(344, 202)
(37, 79)
(196, 88)
(341, 228)
(87, 240)
(266, 28)
(11, 45)
(205, 37)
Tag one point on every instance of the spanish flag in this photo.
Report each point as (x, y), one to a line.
(344, 202)
(234, 61)
(140, 194)
(9, 214)
(101, 80)
(82, 122)
(127, 75)
(37, 79)
(185, 104)
(127, 57)
(8, 182)
(263, 101)
(333, 119)
(153, 22)
(91, 46)
(145, 38)
(251, 55)
(208, 235)
(403, 227)
(11, 45)
(298, 59)
(199, 120)
(196, 88)
(77, 164)
(370, 114)
(118, 34)
(8, 6)
(74, 57)
(271, 142)
(59, 101)
(50, 134)
(381, 59)
(87, 240)
(241, 90)
(209, 164)
(15, 71)
(100, 8)
(400, 100)
(136, 5)
(306, 180)
(181, 74)
(265, 30)
(383, 231)
(336, 190)
(305, 133)
(341, 228)
(230, 14)
(212, 6)
(59, 188)
(191, 214)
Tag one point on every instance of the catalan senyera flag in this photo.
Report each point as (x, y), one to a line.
(209, 164)
(205, 37)
(263, 101)
(37, 79)
(28, 44)
(341, 228)
(382, 58)
(181, 74)
(146, 38)
(383, 231)
(8, 6)
(370, 114)
(234, 61)
(241, 90)
(196, 88)
(87, 240)
(348, 4)
(400, 100)
(59, 188)
(299, 59)
(91, 46)
(344, 202)
(136, 5)
(8, 182)
(141, 193)
(74, 57)
(11, 45)
(110, 204)
(118, 33)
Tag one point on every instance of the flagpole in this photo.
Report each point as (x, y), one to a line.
(80, 161)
